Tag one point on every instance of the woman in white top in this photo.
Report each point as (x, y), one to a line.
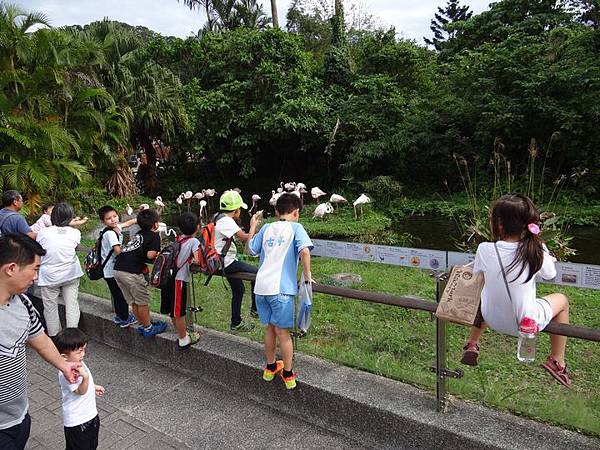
(514, 223)
(60, 269)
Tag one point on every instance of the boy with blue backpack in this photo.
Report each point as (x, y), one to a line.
(280, 244)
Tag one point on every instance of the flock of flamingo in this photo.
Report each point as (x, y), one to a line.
(205, 201)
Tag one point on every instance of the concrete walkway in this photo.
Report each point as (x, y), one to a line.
(149, 406)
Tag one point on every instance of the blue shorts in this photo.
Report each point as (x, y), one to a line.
(276, 310)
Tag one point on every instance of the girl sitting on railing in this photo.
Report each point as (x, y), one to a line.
(510, 266)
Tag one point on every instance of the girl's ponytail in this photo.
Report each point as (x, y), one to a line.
(517, 215)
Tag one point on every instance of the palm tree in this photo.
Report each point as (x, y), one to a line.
(56, 121)
(230, 14)
(249, 14)
(274, 15)
(147, 94)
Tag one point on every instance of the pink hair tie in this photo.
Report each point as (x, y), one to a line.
(533, 228)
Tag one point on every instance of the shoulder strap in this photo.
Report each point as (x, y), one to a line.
(99, 248)
(4, 217)
(185, 239)
(215, 219)
(506, 282)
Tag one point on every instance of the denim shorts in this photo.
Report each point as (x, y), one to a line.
(276, 310)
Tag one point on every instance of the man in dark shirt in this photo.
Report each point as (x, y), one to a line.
(19, 324)
(11, 221)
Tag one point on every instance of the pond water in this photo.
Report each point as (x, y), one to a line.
(440, 233)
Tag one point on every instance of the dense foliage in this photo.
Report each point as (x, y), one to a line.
(326, 101)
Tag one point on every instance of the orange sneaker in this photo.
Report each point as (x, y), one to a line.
(290, 382)
(269, 375)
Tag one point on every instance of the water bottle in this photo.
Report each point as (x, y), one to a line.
(528, 330)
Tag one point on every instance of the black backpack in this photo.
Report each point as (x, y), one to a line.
(93, 264)
(165, 264)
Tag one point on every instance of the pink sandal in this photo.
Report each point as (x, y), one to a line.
(559, 373)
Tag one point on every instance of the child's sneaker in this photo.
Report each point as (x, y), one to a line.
(269, 375)
(154, 329)
(470, 354)
(131, 320)
(194, 337)
(290, 382)
(117, 320)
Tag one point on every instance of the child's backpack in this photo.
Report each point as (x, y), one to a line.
(165, 264)
(210, 261)
(93, 264)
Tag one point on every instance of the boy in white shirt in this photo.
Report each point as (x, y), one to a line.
(80, 415)
(110, 247)
(280, 244)
(226, 228)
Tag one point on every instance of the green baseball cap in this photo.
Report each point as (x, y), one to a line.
(231, 200)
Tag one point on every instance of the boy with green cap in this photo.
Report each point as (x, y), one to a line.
(226, 228)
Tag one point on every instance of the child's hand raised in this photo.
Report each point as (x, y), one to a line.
(78, 221)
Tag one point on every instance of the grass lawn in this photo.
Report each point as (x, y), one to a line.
(400, 344)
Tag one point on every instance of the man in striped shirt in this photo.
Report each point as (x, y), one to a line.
(19, 324)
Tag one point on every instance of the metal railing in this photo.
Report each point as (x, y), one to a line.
(419, 304)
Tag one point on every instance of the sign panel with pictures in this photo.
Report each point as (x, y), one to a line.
(568, 274)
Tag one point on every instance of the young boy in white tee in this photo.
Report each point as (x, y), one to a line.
(80, 415)
(111, 242)
(280, 244)
(226, 229)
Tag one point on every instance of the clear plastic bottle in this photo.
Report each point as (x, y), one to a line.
(528, 330)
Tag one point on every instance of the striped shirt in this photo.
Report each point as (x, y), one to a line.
(18, 322)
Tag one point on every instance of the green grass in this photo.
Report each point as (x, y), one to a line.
(373, 227)
(400, 344)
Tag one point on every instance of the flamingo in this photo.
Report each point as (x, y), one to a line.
(144, 206)
(361, 200)
(336, 198)
(202, 209)
(322, 209)
(290, 186)
(179, 201)
(159, 205)
(255, 199)
(129, 210)
(210, 193)
(316, 193)
(301, 187)
(274, 197)
(188, 197)
(237, 189)
(199, 196)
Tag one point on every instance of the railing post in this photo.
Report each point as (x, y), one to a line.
(442, 373)
(441, 348)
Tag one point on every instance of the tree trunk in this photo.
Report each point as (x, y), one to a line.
(274, 14)
(338, 7)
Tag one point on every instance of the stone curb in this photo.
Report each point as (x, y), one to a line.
(374, 411)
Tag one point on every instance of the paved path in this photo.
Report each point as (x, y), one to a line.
(152, 407)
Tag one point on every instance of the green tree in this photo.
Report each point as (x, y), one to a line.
(453, 12)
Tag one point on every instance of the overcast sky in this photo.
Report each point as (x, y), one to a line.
(410, 17)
